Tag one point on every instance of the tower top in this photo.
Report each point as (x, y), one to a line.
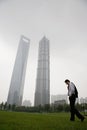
(44, 39)
(25, 39)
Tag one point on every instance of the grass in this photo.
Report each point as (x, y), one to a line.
(43, 121)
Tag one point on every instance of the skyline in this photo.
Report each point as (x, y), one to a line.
(64, 23)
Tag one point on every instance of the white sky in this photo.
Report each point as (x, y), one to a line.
(64, 23)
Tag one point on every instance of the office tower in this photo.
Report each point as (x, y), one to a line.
(42, 92)
(18, 76)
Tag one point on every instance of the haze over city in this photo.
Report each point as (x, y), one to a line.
(64, 23)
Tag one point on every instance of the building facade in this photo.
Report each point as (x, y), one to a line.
(59, 97)
(15, 94)
(42, 92)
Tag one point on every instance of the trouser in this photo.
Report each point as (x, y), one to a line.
(73, 110)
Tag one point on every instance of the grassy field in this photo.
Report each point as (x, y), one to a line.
(30, 121)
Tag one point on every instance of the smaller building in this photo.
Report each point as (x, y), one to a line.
(59, 102)
(26, 103)
(59, 97)
(82, 100)
(77, 101)
(86, 100)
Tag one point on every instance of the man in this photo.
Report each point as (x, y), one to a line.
(72, 99)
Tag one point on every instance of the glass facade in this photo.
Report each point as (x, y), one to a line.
(18, 76)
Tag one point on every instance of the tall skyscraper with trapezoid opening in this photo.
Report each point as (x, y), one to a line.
(42, 92)
(15, 94)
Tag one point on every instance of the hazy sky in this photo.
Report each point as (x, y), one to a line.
(64, 23)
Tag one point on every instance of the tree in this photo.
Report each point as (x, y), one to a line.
(2, 106)
(9, 107)
(47, 107)
(13, 107)
(5, 106)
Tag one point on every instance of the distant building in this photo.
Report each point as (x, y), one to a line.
(77, 101)
(26, 103)
(18, 76)
(59, 98)
(85, 99)
(59, 102)
(42, 92)
(82, 100)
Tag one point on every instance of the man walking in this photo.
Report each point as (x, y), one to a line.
(72, 98)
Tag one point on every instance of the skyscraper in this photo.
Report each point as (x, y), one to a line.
(42, 92)
(18, 77)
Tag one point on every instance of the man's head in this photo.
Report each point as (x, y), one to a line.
(67, 81)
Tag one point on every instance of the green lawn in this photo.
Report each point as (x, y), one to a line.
(31, 121)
